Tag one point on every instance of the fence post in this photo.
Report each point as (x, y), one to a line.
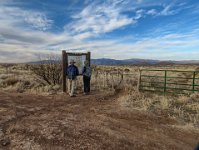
(112, 81)
(193, 84)
(139, 80)
(104, 78)
(64, 61)
(165, 81)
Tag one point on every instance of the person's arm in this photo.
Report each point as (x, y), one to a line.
(77, 71)
(67, 70)
(83, 70)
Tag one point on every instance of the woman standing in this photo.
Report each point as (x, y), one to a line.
(87, 72)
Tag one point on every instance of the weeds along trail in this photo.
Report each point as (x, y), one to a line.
(96, 121)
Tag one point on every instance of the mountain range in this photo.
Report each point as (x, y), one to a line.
(106, 61)
(134, 61)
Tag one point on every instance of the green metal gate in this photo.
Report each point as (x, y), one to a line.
(173, 81)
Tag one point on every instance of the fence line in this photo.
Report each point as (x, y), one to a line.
(106, 80)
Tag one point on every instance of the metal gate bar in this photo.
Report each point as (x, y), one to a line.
(165, 83)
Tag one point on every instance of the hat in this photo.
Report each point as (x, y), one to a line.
(72, 61)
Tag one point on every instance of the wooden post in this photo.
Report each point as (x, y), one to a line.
(193, 84)
(139, 80)
(103, 78)
(64, 61)
(89, 58)
(165, 81)
(112, 81)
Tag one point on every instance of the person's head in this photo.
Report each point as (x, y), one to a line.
(72, 62)
(86, 63)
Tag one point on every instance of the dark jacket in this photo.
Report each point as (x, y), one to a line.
(72, 72)
(87, 71)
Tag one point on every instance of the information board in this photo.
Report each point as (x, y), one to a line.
(79, 59)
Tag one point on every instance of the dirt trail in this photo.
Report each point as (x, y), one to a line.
(85, 122)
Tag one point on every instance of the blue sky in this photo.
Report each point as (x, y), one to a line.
(118, 29)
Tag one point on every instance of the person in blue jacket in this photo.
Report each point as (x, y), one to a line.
(72, 73)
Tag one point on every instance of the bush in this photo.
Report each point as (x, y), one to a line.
(4, 76)
(49, 70)
(10, 81)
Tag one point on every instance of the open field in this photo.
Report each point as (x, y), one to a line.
(36, 115)
(96, 121)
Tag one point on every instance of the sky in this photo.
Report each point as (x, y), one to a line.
(117, 29)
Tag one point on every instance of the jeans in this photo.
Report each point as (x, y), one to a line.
(86, 81)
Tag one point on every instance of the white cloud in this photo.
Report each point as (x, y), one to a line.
(100, 18)
(139, 14)
(169, 46)
(167, 11)
(151, 12)
(16, 16)
(38, 20)
(24, 33)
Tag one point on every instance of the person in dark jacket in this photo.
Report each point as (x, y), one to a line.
(72, 73)
(87, 72)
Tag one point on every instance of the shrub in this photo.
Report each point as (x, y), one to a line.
(10, 81)
(49, 70)
(4, 76)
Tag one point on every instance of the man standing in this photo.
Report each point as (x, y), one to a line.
(72, 72)
(86, 77)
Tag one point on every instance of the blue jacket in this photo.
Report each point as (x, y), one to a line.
(72, 72)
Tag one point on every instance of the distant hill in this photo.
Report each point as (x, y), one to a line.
(187, 62)
(44, 62)
(107, 61)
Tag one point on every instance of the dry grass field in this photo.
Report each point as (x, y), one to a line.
(37, 115)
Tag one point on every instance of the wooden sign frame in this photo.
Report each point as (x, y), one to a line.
(65, 60)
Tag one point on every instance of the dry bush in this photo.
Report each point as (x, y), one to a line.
(11, 81)
(3, 76)
(7, 67)
(21, 79)
(49, 70)
(23, 86)
(197, 68)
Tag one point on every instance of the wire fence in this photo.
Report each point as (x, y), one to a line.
(105, 80)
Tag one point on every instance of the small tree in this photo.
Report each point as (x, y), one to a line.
(7, 66)
(48, 69)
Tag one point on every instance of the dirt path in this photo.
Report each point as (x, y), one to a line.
(85, 122)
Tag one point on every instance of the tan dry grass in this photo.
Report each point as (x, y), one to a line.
(184, 108)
